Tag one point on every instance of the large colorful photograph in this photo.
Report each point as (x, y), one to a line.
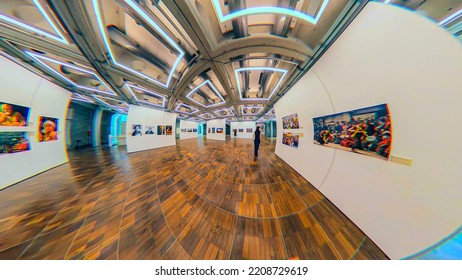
(47, 129)
(13, 115)
(290, 122)
(168, 130)
(219, 130)
(13, 142)
(290, 139)
(364, 131)
(137, 130)
(249, 130)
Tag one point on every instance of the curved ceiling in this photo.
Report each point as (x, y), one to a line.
(203, 59)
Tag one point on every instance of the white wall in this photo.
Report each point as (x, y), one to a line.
(243, 125)
(217, 124)
(148, 117)
(387, 55)
(188, 125)
(24, 88)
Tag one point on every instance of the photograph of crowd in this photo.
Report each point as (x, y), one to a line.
(150, 130)
(13, 115)
(366, 131)
(13, 142)
(47, 129)
(290, 122)
(219, 130)
(290, 139)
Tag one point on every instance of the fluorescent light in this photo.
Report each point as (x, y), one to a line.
(184, 105)
(284, 71)
(37, 30)
(213, 88)
(451, 17)
(150, 92)
(118, 108)
(269, 10)
(387, 1)
(39, 59)
(154, 25)
(79, 97)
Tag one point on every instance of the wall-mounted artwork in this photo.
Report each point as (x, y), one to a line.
(150, 130)
(290, 139)
(13, 142)
(213, 129)
(137, 130)
(161, 130)
(209, 129)
(249, 130)
(290, 122)
(219, 130)
(365, 131)
(189, 129)
(240, 130)
(47, 129)
(13, 115)
(194, 129)
(168, 130)
(183, 130)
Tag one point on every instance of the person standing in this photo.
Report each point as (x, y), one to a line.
(256, 141)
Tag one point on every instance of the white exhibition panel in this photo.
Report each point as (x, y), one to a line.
(216, 124)
(282, 109)
(386, 56)
(244, 126)
(24, 88)
(188, 125)
(307, 104)
(148, 117)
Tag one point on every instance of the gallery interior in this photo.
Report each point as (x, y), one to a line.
(127, 129)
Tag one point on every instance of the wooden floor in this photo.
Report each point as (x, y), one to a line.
(197, 200)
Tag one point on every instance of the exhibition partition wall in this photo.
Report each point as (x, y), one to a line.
(149, 129)
(188, 129)
(242, 129)
(384, 99)
(216, 129)
(32, 123)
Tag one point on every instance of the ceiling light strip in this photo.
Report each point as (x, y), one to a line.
(269, 10)
(213, 88)
(284, 71)
(451, 18)
(129, 87)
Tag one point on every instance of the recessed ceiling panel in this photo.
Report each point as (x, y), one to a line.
(258, 83)
(206, 116)
(225, 112)
(186, 109)
(76, 75)
(206, 95)
(81, 97)
(137, 43)
(33, 16)
(251, 110)
(145, 96)
(115, 104)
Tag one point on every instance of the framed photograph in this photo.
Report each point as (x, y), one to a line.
(194, 130)
(290, 122)
(366, 131)
(219, 130)
(47, 129)
(189, 129)
(150, 130)
(209, 130)
(161, 130)
(13, 115)
(291, 139)
(249, 130)
(168, 130)
(137, 130)
(183, 130)
(13, 142)
(240, 130)
(213, 130)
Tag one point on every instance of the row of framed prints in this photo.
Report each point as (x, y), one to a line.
(189, 130)
(365, 131)
(241, 130)
(12, 115)
(137, 130)
(214, 130)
